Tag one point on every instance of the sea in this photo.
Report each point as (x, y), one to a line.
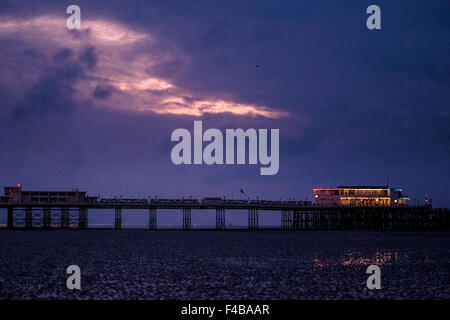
(222, 265)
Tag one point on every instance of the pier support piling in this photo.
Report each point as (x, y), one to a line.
(152, 219)
(220, 219)
(186, 218)
(286, 219)
(64, 218)
(253, 223)
(82, 218)
(28, 218)
(47, 218)
(118, 218)
(296, 220)
(10, 218)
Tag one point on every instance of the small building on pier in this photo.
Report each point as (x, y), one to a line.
(15, 195)
(371, 196)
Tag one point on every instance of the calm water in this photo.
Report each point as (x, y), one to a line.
(223, 265)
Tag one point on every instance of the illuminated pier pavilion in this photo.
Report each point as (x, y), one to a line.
(359, 196)
(342, 208)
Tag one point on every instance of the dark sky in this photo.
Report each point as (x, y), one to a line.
(94, 109)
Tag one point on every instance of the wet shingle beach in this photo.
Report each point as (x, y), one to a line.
(223, 265)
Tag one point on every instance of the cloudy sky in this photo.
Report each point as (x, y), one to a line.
(94, 109)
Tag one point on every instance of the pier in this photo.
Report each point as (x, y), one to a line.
(28, 210)
(293, 217)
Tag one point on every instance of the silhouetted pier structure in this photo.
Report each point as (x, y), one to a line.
(69, 209)
(48, 216)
